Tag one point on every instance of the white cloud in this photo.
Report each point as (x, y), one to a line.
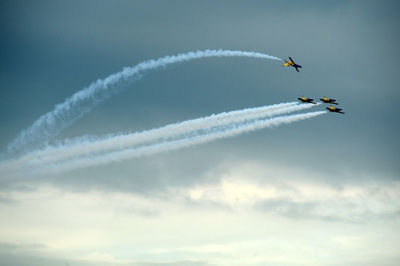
(250, 216)
(251, 185)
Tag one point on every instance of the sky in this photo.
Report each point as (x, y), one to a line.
(321, 191)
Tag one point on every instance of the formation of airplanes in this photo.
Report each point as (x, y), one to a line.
(324, 100)
(309, 100)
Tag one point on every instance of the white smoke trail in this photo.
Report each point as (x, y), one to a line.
(179, 130)
(119, 141)
(225, 132)
(80, 103)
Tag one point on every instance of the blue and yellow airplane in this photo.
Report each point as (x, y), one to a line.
(334, 110)
(306, 100)
(326, 100)
(293, 64)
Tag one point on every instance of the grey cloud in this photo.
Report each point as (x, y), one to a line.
(11, 259)
(7, 200)
(15, 247)
(12, 254)
(305, 210)
(334, 210)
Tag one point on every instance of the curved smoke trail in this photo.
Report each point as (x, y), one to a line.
(51, 124)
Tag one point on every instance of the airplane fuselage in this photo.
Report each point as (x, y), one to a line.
(292, 64)
(334, 110)
(306, 100)
(331, 101)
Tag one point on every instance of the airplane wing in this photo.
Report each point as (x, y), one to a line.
(291, 59)
(296, 69)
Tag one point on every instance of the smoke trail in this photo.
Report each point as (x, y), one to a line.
(119, 141)
(179, 130)
(80, 103)
(228, 131)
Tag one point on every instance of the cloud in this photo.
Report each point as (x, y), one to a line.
(249, 213)
(10, 259)
(6, 200)
(304, 200)
(4, 246)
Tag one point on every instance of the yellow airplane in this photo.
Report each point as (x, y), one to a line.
(326, 100)
(306, 100)
(334, 110)
(293, 64)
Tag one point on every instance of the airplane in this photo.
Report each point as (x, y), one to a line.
(293, 64)
(326, 100)
(334, 110)
(306, 100)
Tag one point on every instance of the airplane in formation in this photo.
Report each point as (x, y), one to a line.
(306, 100)
(292, 64)
(334, 110)
(326, 100)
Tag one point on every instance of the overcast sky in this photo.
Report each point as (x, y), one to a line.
(323, 191)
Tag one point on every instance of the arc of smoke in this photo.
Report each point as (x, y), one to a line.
(179, 130)
(80, 103)
(177, 144)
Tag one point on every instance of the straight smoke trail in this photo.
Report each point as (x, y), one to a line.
(226, 132)
(179, 130)
(119, 141)
(73, 108)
